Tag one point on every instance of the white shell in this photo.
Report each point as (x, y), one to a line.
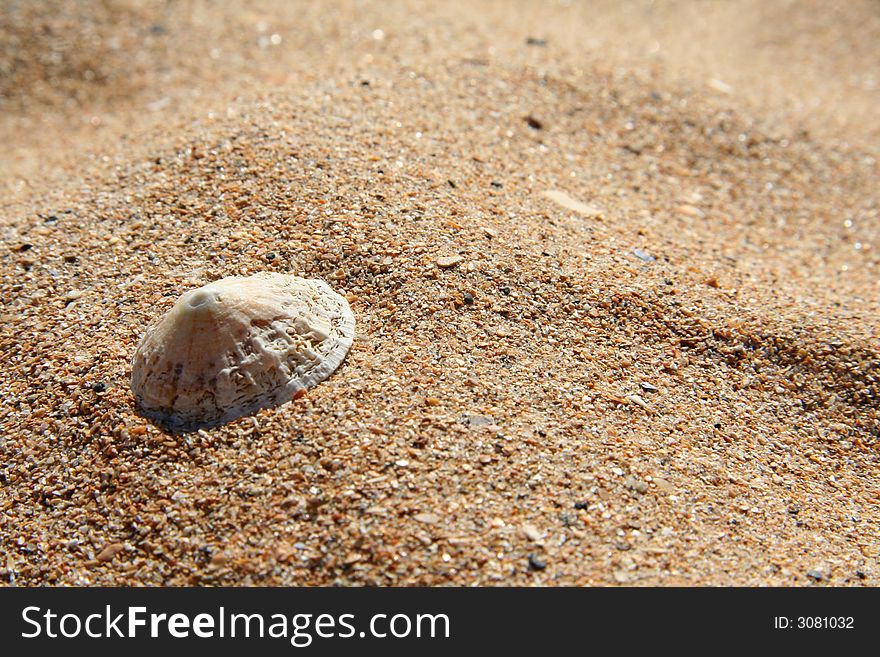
(238, 345)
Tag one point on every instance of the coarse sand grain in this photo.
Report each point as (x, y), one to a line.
(614, 268)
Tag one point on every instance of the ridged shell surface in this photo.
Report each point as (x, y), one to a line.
(237, 345)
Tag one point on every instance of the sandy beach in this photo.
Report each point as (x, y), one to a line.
(614, 267)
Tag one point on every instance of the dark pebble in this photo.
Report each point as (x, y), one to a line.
(270, 256)
(468, 298)
(99, 387)
(534, 41)
(497, 185)
(581, 505)
(452, 184)
(534, 123)
(535, 563)
(25, 247)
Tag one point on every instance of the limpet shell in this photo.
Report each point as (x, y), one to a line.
(237, 345)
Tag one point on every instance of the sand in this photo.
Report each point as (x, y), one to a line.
(614, 268)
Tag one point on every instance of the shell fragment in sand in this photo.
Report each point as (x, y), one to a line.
(237, 345)
(719, 86)
(446, 262)
(567, 201)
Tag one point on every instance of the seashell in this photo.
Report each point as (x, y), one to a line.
(237, 345)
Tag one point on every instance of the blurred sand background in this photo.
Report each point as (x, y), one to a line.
(663, 372)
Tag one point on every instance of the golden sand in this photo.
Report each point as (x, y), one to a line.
(679, 386)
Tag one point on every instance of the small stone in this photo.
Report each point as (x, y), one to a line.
(534, 123)
(219, 559)
(534, 41)
(531, 532)
(643, 255)
(644, 385)
(427, 518)
(638, 401)
(566, 201)
(719, 86)
(314, 503)
(536, 563)
(663, 485)
(109, 552)
(622, 577)
(635, 484)
(818, 573)
(477, 421)
(445, 262)
(99, 387)
(690, 211)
